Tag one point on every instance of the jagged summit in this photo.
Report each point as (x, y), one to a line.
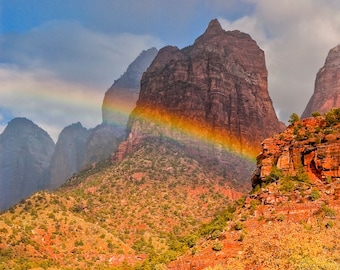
(20, 125)
(214, 27)
(327, 86)
(214, 33)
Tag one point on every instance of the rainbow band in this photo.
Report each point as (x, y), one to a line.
(159, 121)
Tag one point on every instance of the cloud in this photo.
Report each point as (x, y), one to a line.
(57, 74)
(49, 102)
(75, 53)
(296, 37)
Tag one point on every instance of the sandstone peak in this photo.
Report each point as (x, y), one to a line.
(214, 27)
(214, 78)
(218, 87)
(327, 86)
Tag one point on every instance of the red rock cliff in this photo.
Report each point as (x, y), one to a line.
(213, 91)
(219, 83)
(310, 146)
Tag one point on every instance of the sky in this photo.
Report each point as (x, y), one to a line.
(58, 57)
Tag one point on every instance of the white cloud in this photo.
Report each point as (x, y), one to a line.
(296, 37)
(46, 100)
(57, 74)
(75, 53)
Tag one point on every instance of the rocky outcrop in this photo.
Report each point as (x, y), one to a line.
(214, 92)
(120, 99)
(25, 155)
(307, 150)
(327, 86)
(69, 154)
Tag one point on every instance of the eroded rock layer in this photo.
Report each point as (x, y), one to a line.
(309, 150)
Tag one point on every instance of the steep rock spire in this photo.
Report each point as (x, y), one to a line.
(218, 88)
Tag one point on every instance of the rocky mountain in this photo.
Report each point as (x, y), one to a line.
(327, 86)
(69, 154)
(214, 92)
(25, 155)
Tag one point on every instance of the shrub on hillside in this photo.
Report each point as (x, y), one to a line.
(217, 246)
(293, 118)
(315, 194)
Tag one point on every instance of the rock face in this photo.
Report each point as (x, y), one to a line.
(121, 98)
(309, 148)
(25, 155)
(327, 86)
(69, 154)
(213, 91)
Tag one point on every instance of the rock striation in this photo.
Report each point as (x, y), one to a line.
(308, 149)
(215, 90)
(298, 173)
(327, 86)
(69, 154)
(25, 155)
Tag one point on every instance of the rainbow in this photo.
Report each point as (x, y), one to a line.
(195, 129)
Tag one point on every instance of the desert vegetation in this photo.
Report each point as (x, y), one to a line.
(142, 212)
